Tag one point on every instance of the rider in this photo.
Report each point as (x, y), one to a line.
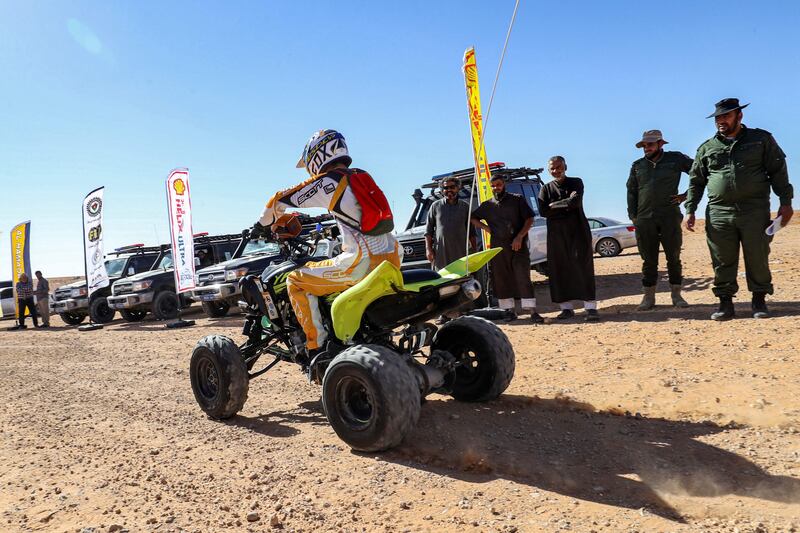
(327, 160)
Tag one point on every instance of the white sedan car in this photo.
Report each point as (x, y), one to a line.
(609, 238)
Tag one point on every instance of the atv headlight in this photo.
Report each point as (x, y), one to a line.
(77, 293)
(141, 285)
(233, 275)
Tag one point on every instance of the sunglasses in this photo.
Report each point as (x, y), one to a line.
(450, 187)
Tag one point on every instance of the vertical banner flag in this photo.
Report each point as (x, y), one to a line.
(20, 256)
(180, 226)
(92, 210)
(483, 180)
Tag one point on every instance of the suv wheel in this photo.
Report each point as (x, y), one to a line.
(216, 309)
(165, 305)
(100, 312)
(72, 319)
(133, 315)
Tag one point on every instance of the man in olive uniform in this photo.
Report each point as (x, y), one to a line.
(739, 165)
(653, 202)
(508, 218)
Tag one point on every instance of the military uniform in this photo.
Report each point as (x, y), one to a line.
(738, 174)
(651, 186)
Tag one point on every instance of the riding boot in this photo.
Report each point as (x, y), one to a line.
(677, 299)
(725, 311)
(649, 299)
(759, 305)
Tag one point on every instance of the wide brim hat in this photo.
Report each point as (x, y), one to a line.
(651, 136)
(726, 105)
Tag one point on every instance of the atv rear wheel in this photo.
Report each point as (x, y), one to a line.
(371, 397)
(133, 315)
(100, 312)
(165, 305)
(485, 355)
(216, 309)
(73, 319)
(219, 376)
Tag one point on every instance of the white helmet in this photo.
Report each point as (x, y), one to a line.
(324, 147)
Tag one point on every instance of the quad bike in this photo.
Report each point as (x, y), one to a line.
(383, 355)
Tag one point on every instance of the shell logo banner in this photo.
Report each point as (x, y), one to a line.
(180, 226)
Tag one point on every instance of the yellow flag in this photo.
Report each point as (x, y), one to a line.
(20, 255)
(476, 124)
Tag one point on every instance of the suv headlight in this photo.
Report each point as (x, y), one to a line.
(232, 275)
(77, 293)
(141, 285)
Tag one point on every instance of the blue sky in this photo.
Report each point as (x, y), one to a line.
(118, 93)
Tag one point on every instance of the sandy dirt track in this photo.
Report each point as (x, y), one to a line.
(655, 421)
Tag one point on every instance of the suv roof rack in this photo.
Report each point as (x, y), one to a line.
(135, 249)
(497, 169)
(205, 238)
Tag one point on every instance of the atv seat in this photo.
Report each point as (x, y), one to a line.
(416, 275)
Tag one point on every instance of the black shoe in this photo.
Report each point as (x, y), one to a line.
(22, 326)
(725, 311)
(759, 305)
(592, 315)
(510, 316)
(565, 314)
(536, 318)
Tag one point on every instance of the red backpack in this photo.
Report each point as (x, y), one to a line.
(376, 215)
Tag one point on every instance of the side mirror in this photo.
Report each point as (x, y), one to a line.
(197, 261)
(131, 271)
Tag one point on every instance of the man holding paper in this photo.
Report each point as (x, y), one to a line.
(739, 165)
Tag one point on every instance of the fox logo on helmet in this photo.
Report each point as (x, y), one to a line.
(324, 147)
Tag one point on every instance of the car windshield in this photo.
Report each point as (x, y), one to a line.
(114, 267)
(166, 261)
(261, 248)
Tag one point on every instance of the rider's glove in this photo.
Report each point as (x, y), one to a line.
(260, 232)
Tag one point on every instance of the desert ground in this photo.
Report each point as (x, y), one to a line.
(646, 421)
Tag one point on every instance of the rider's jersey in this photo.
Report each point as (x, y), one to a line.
(329, 191)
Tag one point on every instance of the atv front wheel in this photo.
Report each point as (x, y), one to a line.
(219, 376)
(216, 309)
(371, 397)
(485, 355)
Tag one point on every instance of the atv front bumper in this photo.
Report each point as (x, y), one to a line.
(130, 301)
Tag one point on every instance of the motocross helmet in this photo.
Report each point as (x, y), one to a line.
(324, 147)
